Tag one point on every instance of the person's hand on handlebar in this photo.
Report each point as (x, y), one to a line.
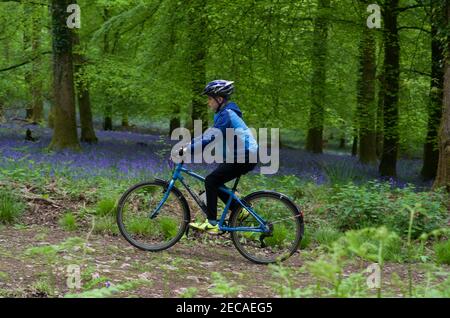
(182, 151)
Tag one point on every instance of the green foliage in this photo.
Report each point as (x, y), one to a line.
(442, 250)
(306, 240)
(11, 206)
(50, 251)
(105, 225)
(279, 236)
(222, 287)
(374, 244)
(374, 204)
(44, 286)
(105, 207)
(68, 222)
(190, 292)
(341, 172)
(326, 235)
(169, 226)
(284, 287)
(4, 276)
(106, 292)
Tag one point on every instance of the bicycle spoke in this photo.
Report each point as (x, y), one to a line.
(142, 231)
(285, 230)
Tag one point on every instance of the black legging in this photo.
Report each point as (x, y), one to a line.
(224, 173)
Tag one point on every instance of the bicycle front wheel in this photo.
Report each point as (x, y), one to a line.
(161, 232)
(284, 220)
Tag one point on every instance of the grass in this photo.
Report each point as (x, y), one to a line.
(106, 206)
(4, 276)
(68, 222)
(190, 292)
(43, 286)
(11, 206)
(108, 290)
(326, 235)
(105, 225)
(50, 251)
(306, 240)
(168, 226)
(442, 250)
(223, 287)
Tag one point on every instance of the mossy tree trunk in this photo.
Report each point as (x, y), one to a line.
(391, 72)
(431, 149)
(197, 37)
(443, 171)
(84, 100)
(65, 130)
(366, 97)
(318, 90)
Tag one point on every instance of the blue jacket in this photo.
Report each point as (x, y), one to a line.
(229, 116)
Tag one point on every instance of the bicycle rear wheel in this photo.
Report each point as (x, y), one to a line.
(284, 220)
(160, 233)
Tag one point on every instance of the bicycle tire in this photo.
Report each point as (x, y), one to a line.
(296, 215)
(177, 195)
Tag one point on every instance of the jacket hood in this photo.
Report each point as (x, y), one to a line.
(233, 107)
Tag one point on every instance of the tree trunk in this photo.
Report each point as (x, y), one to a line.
(107, 122)
(2, 115)
(65, 129)
(197, 38)
(36, 80)
(342, 142)
(27, 39)
(125, 123)
(430, 149)
(388, 164)
(366, 97)
(107, 119)
(355, 145)
(318, 89)
(175, 120)
(443, 171)
(51, 115)
(379, 132)
(84, 101)
(87, 126)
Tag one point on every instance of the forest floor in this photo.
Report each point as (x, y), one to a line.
(36, 257)
(184, 270)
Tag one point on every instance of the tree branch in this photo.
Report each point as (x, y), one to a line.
(26, 2)
(400, 10)
(414, 28)
(419, 72)
(24, 63)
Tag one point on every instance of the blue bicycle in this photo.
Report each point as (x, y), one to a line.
(266, 227)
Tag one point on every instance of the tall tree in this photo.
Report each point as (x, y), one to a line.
(32, 44)
(431, 151)
(65, 129)
(366, 94)
(391, 74)
(36, 81)
(443, 171)
(84, 100)
(318, 89)
(379, 125)
(198, 22)
(107, 121)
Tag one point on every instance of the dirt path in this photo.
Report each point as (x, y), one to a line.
(34, 262)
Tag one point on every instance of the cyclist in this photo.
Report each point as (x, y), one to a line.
(227, 115)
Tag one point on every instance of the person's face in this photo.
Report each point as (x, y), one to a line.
(212, 103)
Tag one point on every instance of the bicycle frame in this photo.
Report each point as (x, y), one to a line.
(177, 175)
